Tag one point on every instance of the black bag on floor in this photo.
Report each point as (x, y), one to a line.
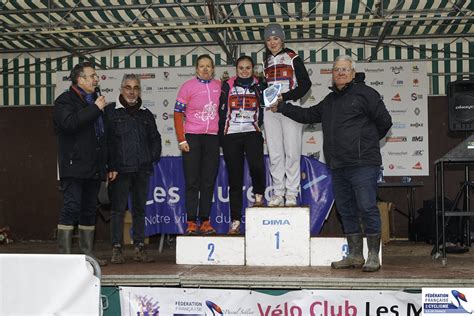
(424, 228)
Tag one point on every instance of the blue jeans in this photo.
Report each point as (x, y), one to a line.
(135, 183)
(79, 201)
(355, 191)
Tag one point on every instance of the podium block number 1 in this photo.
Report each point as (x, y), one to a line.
(277, 236)
(277, 241)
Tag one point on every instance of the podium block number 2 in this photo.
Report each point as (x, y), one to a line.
(210, 250)
(211, 247)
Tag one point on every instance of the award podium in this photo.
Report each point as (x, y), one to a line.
(275, 236)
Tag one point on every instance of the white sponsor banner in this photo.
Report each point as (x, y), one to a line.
(403, 86)
(448, 301)
(176, 302)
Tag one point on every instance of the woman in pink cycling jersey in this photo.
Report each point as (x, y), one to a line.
(196, 121)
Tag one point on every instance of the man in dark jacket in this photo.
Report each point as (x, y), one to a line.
(134, 143)
(78, 121)
(354, 119)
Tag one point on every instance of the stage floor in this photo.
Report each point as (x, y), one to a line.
(406, 266)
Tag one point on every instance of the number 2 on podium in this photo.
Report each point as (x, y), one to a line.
(277, 240)
(211, 247)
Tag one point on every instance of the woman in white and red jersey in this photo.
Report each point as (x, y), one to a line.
(241, 139)
(196, 121)
(283, 135)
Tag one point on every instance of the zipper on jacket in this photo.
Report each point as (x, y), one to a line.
(274, 69)
(210, 103)
(359, 147)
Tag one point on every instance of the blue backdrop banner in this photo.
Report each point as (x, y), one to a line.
(166, 212)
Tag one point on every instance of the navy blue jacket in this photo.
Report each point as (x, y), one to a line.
(134, 142)
(81, 154)
(353, 121)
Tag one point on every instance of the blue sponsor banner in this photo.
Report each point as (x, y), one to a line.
(166, 212)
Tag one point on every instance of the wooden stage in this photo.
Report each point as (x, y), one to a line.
(406, 266)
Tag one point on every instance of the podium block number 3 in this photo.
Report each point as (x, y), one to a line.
(211, 247)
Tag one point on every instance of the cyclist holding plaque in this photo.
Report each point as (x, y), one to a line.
(240, 119)
(288, 78)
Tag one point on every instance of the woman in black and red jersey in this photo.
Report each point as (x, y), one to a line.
(240, 119)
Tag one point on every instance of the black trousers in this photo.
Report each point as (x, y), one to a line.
(236, 148)
(135, 184)
(200, 170)
(80, 201)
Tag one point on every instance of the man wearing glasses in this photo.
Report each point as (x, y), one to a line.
(354, 119)
(134, 143)
(79, 124)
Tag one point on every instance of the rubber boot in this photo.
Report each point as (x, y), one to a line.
(65, 238)
(355, 258)
(373, 263)
(86, 242)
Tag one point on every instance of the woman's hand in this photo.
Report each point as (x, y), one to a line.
(184, 147)
(274, 106)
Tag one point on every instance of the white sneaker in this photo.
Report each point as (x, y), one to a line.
(234, 227)
(291, 200)
(276, 200)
